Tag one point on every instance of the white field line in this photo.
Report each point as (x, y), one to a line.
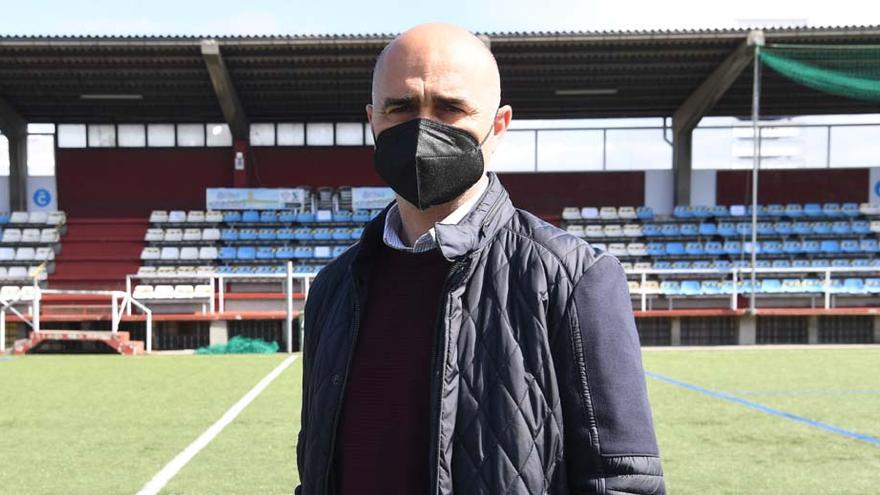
(172, 468)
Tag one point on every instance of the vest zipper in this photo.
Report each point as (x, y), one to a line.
(354, 331)
(436, 378)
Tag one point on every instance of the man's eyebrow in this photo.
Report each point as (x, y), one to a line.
(452, 100)
(393, 101)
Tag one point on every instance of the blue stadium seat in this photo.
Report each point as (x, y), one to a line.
(875, 262)
(651, 230)
(228, 235)
(721, 265)
(800, 263)
(362, 216)
(265, 253)
(802, 228)
(286, 234)
(771, 247)
(224, 269)
(841, 228)
(250, 216)
(342, 216)
(714, 248)
(743, 228)
(792, 247)
(831, 210)
(733, 247)
(742, 264)
(4, 217)
(727, 229)
(840, 263)
(246, 253)
(872, 285)
(287, 216)
(811, 247)
(681, 212)
(341, 234)
(356, 233)
(227, 253)
(302, 234)
(812, 210)
(322, 234)
(812, 285)
(244, 270)
(681, 265)
(267, 235)
(854, 286)
(670, 288)
(766, 228)
(761, 263)
(783, 228)
(770, 286)
(794, 210)
(689, 230)
(675, 248)
(820, 263)
(670, 230)
(655, 249)
(264, 270)
(830, 246)
(662, 265)
(720, 211)
(700, 265)
(869, 246)
(338, 250)
(861, 263)
(701, 211)
(231, 216)
(304, 252)
(247, 235)
(305, 216)
(849, 209)
(860, 227)
(727, 287)
(708, 229)
(775, 210)
(645, 213)
(850, 246)
(284, 253)
(268, 216)
(690, 288)
(836, 286)
(821, 228)
(783, 263)
(744, 286)
(711, 287)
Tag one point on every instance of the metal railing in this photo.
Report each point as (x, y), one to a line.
(734, 275)
(217, 299)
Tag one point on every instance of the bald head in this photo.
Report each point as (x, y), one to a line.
(440, 72)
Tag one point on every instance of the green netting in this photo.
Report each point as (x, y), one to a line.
(240, 345)
(844, 70)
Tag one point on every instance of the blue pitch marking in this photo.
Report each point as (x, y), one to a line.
(769, 410)
(806, 393)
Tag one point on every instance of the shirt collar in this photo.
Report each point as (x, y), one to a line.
(428, 240)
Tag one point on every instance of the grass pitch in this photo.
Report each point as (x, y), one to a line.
(108, 424)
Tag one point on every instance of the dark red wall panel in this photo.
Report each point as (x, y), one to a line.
(794, 186)
(133, 182)
(314, 166)
(545, 194)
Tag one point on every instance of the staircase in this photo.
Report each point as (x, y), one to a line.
(97, 253)
(118, 341)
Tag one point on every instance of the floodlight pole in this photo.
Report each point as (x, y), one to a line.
(757, 41)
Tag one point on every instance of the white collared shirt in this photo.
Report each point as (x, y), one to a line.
(428, 240)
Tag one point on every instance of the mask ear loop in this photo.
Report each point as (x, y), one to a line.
(490, 128)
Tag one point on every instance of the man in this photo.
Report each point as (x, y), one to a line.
(464, 346)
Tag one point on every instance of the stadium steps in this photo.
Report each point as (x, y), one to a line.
(119, 342)
(97, 253)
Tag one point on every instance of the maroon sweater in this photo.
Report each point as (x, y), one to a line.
(384, 430)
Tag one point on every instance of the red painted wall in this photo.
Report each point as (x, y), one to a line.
(794, 186)
(132, 182)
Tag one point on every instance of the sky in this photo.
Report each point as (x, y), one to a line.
(265, 17)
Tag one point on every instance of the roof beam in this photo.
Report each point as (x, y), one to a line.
(11, 122)
(231, 106)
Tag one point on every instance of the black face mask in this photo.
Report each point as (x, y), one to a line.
(427, 162)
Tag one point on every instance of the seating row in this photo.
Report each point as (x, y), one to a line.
(30, 236)
(27, 254)
(245, 253)
(55, 218)
(792, 210)
(22, 273)
(724, 229)
(183, 291)
(743, 264)
(260, 216)
(286, 234)
(735, 248)
(849, 286)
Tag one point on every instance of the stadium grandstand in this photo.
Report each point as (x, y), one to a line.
(174, 192)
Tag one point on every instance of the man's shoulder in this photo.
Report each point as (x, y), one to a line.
(573, 253)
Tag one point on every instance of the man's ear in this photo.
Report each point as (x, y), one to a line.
(369, 112)
(502, 120)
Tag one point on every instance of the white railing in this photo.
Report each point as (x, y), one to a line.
(734, 275)
(218, 281)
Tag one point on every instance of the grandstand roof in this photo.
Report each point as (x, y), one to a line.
(313, 78)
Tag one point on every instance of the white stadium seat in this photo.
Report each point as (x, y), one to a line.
(37, 271)
(183, 291)
(643, 265)
(613, 230)
(211, 234)
(9, 292)
(159, 216)
(173, 235)
(617, 249)
(636, 249)
(176, 216)
(56, 218)
(167, 271)
(17, 272)
(38, 217)
(214, 216)
(191, 235)
(589, 213)
(627, 213)
(154, 235)
(203, 291)
(3, 272)
(163, 292)
(571, 213)
(208, 253)
(608, 213)
(49, 236)
(142, 292)
(19, 217)
(594, 231)
(170, 253)
(30, 236)
(11, 235)
(576, 230)
(651, 287)
(189, 253)
(44, 253)
(27, 293)
(25, 254)
(195, 216)
(7, 254)
(150, 253)
(324, 216)
(632, 230)
(147, 270)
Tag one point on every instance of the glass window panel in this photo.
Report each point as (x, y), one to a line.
(291, 134)
(102, 135)
(637, 149)
(349, 134)
(515, 153)
(569, 150)
(263, 134)
(132, 135)
(160, 135)
(712, 149)
(218, 135)
(855, 146)
(319, 134)
(41, 155)
(71, 135)
(190, 135)
(41, 128)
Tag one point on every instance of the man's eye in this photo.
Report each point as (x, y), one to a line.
(452, 108)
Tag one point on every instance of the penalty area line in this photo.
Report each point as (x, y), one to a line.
(172, 468)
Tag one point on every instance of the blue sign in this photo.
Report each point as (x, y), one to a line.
(42, 197)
